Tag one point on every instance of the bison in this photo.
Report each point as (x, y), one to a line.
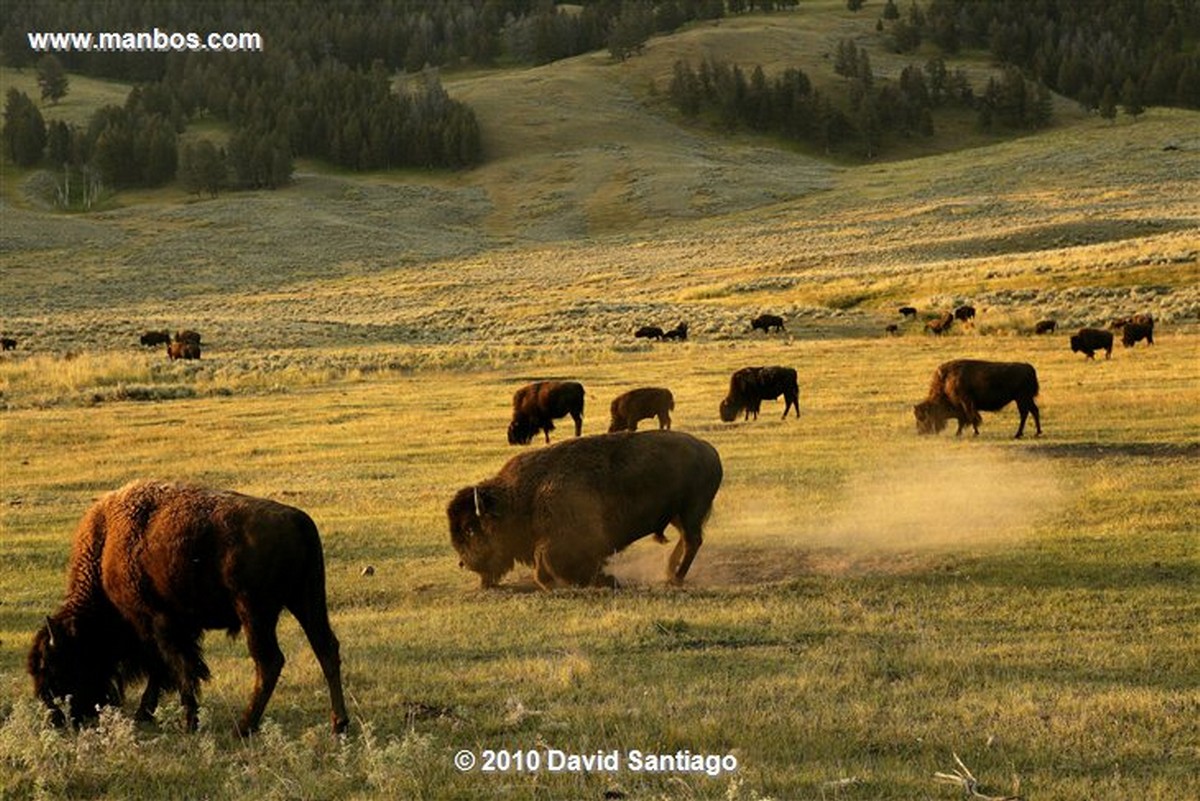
(537, 405)
(183, 350)
(964, 313)
(1134, 333)
(908, 311)
(679, 332)
(892, 328)
(188, 336)
(153, 566)
(765, 322)
(639, 404)
(940, 324)
(152, 339)
(648, 332)
(749, 386)
(1090, 340)
(7, 343)
(565, 509)
(962, 388)
(1140, 319)
(1045, 327)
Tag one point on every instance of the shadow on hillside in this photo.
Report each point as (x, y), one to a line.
(1049, 237)
(1102, 450)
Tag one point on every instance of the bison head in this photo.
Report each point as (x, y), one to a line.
(730, 409)
(473, 515)
(64, 664)
(931, 417)
(521, 431)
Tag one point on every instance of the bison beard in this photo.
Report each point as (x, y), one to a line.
(961, 389)
(565, 509)
(153, 566)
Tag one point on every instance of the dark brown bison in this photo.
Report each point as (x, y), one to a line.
(156, 564)
(961, 389)
(749, 386)
(964, 313)
(536, 406)
(765, 322)
(8, 344)
(940, 324)
(1134, 333)
(1090, 340)
(648, 332)
(908, 311)
(565, 509)
(183, 350)
(152, 339)
(892, 329)
(188, 336)
(1045, 327)
(1139, 319)
(679, 332)
(640, 404)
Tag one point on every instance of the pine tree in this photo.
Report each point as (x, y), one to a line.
(52, 78)
(24, 129)
(1131, 98)
(1108, 103)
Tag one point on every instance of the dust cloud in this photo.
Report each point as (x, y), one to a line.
(894, 515)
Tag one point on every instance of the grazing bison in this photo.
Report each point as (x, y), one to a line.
(940, 324)
(151, 339)
(749, 386)
(1045, 327)
(639, 404)
(964, 313)
(7, 343)
(537, 405)
(679, 332)
(1090, 340)
(1139, 319)
(765, 322)
(156, 564)
(648, 332)
(1134, 333)
(892, 329)
(908, 311)
(565, 509)
(963, 388)
(188, 336)
(183, 350)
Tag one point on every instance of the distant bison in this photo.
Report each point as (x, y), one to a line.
(187, 336)
(7, 343)
(648, 332)
(1138, 319)
(1045, 327)
(962, 388)
(640, 404)
(749, 386)
(183, 350)
(565, 509)
(765, 322)
(892, 329)
(1090, 340)
(152, 339)
(537, 405)
(908, 311)
(156, 564)
(964, 313)
(1134, 333)
(941, 324)
(679, 332)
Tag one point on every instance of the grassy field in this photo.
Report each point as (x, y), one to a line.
(867, 603)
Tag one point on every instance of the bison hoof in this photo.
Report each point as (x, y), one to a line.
(340, 725)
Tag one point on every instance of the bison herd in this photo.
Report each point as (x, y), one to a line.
(154, 565)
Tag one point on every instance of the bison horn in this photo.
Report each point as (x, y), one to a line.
(478, 511)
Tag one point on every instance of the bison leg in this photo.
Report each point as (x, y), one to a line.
(685, 550)
(578, 418)
(149, 702)
(664, 421)
(313, 617)
(1108, 353)
(268, 661)
(791, 401)
(182, 659)
(1027, 408)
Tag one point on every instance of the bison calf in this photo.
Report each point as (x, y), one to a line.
(183, 350)
(1090, 340)
(750, 386)
(640, 404)
(941, 324)
(1045, 327)
(962, 388)
(536, 406)
(156, 564)
(567, 508)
